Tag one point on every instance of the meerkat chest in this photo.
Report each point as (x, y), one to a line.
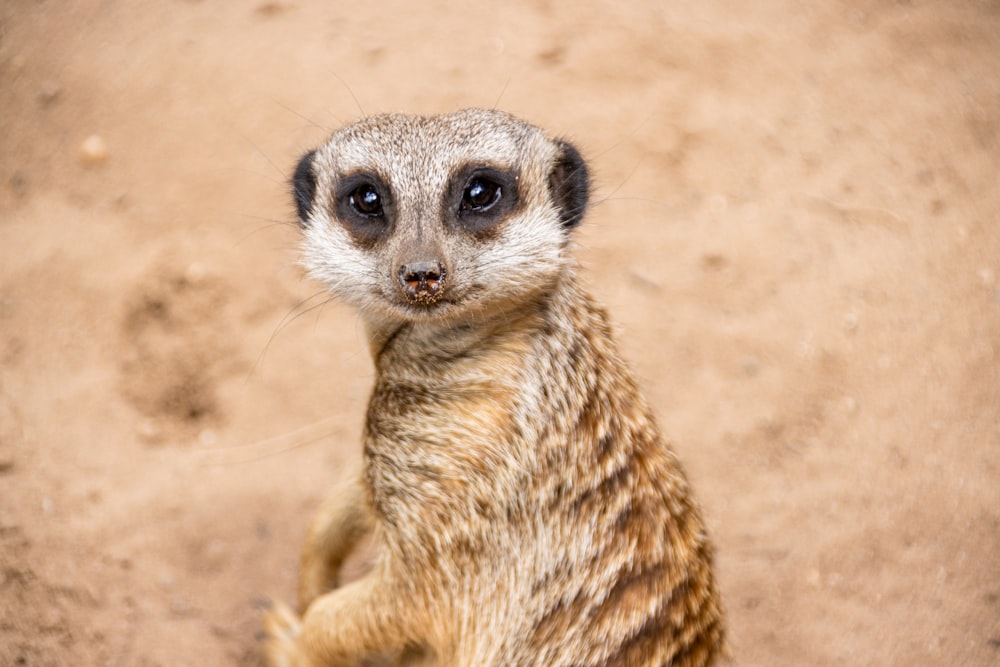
(441, 444)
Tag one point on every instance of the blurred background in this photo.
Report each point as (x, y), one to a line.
(796, 227)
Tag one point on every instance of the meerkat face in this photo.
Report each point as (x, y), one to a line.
(419, 218)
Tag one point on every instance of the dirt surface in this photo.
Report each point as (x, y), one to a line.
(796, 228)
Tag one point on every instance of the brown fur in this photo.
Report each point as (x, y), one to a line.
(525, 508)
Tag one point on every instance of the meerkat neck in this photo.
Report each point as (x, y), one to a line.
(435, 342)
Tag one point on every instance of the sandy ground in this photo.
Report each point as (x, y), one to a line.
(796, 228)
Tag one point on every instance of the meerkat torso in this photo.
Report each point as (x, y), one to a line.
(525, 508)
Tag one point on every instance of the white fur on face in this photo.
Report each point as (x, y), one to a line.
(417, 157)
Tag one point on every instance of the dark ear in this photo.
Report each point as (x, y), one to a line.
(304, 186)
(569, 184)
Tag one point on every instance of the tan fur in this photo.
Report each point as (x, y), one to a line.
(525, 508)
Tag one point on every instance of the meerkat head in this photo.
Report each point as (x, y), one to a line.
(419, 218)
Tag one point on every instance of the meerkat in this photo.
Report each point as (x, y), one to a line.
(524, 508)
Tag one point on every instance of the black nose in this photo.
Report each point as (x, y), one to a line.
(422, 282)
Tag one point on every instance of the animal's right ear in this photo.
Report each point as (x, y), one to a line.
(304, 186)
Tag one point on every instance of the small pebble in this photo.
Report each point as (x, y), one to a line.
(49, 94)
(6, 463)
(180, 606)
(93, 151)
(149, 431)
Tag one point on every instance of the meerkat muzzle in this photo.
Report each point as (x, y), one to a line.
(422, 282)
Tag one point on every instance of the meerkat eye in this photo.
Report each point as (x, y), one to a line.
(480, 195)
(366, 200)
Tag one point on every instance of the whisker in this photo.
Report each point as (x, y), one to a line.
(635, 168)
(350, 92)
(273, 446)
(302, 116)
(292, 315)
(265, 225)
(264, 155)
(502, 91)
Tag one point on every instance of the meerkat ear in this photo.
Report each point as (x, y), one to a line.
(304, 186)
(569, 184)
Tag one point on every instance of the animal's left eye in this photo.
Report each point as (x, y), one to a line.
(480, 195)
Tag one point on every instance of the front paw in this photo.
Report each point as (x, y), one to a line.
(282, 627)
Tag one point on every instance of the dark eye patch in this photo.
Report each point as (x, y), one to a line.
(364, 205)
(480, 197)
